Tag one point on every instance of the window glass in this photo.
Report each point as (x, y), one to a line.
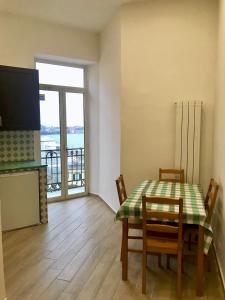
(60, 75)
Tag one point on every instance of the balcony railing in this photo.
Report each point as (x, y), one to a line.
(75, 168)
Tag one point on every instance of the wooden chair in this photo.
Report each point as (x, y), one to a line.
(210, 199)
(192, 230)
(122, 194)
(133, 223)
(169, 239)
(176, 175)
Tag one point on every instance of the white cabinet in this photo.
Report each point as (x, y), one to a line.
(19, 193)
(2, 282)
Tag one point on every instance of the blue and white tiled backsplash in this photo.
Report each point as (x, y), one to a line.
(16, 146)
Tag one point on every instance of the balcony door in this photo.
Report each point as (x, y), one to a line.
(62, 140)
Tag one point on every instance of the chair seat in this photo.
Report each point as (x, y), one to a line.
(162, 245)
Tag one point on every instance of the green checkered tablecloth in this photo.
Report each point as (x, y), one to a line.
(193, 203)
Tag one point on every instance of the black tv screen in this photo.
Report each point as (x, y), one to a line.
(19, 99)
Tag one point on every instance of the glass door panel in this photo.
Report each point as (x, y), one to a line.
(51, 141)
(75, 143)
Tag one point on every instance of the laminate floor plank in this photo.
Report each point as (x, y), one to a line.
(38, 287)
(95, 281)
(48, 240)
(29, 259)
(78, 260)
(66, 296)
(79, 245)
(28, 276)
(77, 256)
(110, 282)
(78, 281)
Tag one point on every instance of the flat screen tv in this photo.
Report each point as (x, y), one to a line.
(19, 99)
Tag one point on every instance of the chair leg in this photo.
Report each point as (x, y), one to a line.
(179, 273)
(125, 250)
(144, 263)
(196, 238)
(207, 259)
(121, 251)
(168, 261)
(189, 241)
(182, 264)
(159, 261)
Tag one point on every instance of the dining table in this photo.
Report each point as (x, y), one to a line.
(193, 213)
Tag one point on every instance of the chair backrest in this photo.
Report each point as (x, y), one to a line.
(171, 215)
(171, 175)
(122, 194)
(210, 198)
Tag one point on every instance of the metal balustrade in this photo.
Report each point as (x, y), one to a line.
(75, 168)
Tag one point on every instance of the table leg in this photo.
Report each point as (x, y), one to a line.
(200, 261)
(125, 249)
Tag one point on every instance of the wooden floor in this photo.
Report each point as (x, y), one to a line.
(77, 256)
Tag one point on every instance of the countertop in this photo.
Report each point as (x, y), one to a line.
(10, 166)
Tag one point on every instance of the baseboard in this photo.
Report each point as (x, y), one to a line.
(96, 195)
(93, 194)
(220, 269)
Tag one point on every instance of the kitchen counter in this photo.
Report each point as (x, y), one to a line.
(32, 165)
(11, 166)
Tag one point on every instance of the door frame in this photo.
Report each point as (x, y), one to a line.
(62, 90)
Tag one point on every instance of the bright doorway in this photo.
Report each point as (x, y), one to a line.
(62, 136)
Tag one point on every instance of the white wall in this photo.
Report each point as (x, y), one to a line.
(168, 53)
(93, 128)
(154, 53)
(22, 39)
(109, 112)
(2, 282)
(219, 146)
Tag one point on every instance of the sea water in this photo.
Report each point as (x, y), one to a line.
(52, 141)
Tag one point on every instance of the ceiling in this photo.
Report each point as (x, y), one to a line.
(87, 14)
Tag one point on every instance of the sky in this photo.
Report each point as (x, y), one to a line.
(64, 76)
(60, 75)
(50, 109)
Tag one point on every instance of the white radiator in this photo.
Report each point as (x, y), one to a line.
(188, 136)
